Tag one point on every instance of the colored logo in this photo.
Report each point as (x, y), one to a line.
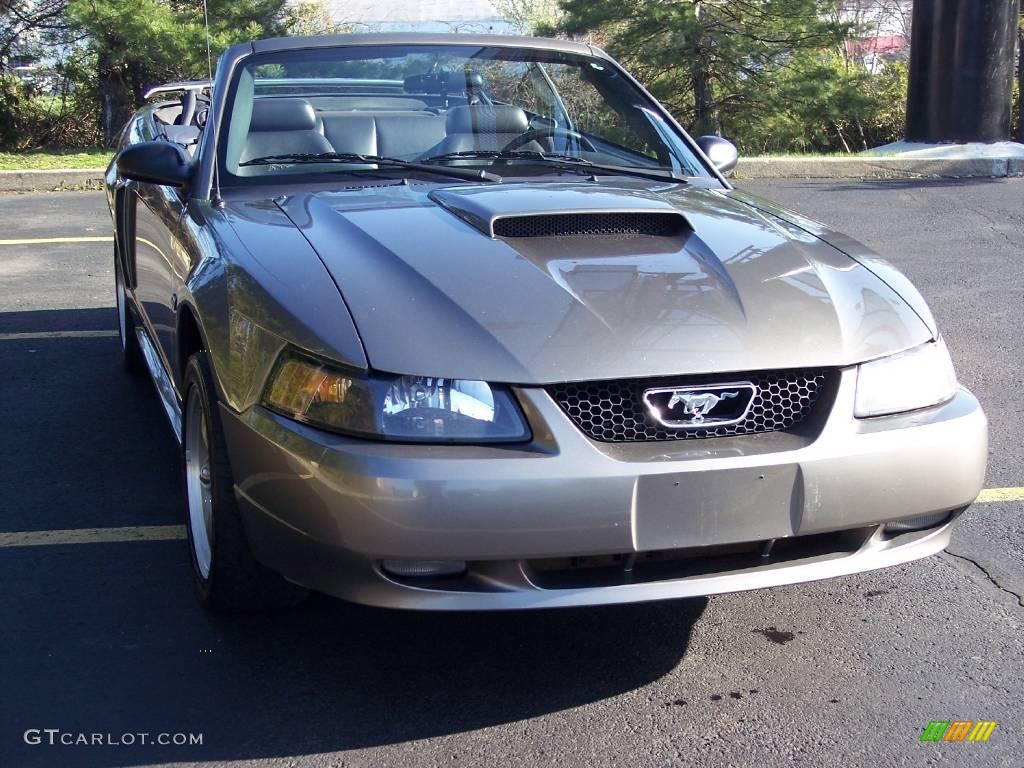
(958, 730)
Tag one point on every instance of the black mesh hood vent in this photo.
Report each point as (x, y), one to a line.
(587, 224)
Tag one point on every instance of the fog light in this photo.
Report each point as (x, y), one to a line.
(424, 568)
(918, 523)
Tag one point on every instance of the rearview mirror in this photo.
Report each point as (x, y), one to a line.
(722, 153)
(157, 162)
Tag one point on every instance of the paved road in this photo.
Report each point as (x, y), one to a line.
(107, 637)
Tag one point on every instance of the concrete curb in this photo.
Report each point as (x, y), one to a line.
(748, 168)
(51, 181)
(876, 168)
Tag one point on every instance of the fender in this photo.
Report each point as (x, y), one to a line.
(252, 296)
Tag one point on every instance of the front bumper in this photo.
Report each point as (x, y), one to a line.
(544, 524)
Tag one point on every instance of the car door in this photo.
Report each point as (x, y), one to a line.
(160, 265)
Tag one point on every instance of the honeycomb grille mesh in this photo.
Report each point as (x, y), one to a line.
(590, 224)
(614, 411)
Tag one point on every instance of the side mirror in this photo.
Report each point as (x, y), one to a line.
(157, 162)
(723, 154)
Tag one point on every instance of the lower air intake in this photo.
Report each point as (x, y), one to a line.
(919, 523)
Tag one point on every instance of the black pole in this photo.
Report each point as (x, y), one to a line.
(1020, 83)
(961, 70)
(922, 35)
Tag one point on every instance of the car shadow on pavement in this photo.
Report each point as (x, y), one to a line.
(365, 677)
(108, 639)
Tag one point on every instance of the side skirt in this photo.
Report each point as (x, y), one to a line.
(164, 387)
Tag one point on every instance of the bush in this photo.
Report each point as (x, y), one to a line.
(820, 104)
(14, 110)
(63, 118)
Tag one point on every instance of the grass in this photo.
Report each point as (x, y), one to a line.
(43, 160)
(97, 157)
(800, 155)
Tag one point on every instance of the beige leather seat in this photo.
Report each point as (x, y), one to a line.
(283, 126)
(488, 127)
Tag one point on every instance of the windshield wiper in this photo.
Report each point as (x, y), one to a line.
(568, 162)
(349, 158)
(493, 154)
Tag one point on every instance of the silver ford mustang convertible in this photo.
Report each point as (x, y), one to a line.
(470, 322)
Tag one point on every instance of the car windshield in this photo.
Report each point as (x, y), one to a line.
(443, 110)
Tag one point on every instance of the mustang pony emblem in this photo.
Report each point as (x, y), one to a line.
(698, 402)
(698, 405)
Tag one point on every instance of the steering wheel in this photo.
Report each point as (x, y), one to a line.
(548, 131)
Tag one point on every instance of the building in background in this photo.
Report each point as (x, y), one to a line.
(473, 16)
(881, 30)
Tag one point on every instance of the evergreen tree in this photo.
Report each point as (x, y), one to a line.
(139, 43)
(765, 73)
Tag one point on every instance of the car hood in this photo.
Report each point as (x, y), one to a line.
(432, 292)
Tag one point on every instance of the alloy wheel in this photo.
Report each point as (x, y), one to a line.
(198, 481)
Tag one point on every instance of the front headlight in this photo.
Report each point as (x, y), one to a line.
(391, 407)
(918, 378)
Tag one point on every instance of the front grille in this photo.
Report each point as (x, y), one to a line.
(614, 411)
(660, 224)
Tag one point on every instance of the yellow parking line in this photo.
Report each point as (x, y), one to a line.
(52, 240)
(56, 335)
(1000, 494)
(93, 535)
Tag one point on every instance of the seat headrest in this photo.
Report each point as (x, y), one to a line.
(487, 118)
(449, 82)
(282, 115)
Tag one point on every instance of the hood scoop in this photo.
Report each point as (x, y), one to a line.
(590, 224)
(562, 210)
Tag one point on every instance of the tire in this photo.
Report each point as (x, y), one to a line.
(131, 352)
(227, 577)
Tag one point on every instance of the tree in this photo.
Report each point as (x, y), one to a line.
(529, 16)
(310, 17)
(27, 24)
(724, 66)
(139, 43)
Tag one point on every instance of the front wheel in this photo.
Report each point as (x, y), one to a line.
(227, 577)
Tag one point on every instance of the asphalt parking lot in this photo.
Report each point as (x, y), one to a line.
(107, 638)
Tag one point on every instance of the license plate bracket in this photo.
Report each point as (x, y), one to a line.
(693, 509)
